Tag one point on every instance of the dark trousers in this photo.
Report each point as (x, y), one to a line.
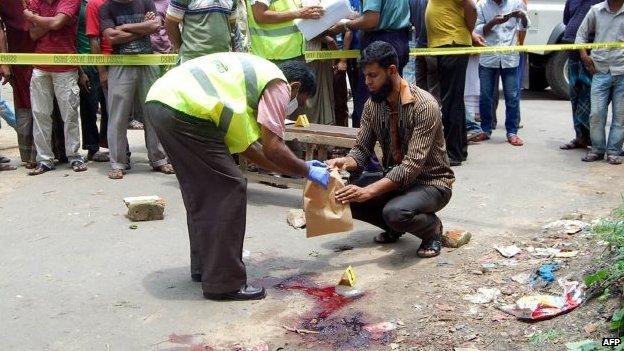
(452, 76)
(412, 210)
(426, 69)
(90, 102)
(400, 41)
(214, 192)
(341, 110)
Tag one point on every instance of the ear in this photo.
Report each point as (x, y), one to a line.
(392, 70)
(294, 89)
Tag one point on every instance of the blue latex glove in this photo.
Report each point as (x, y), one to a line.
(315, 163)
(317, 172)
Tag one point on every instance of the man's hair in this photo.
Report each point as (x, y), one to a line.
(297, 71)
(381, 53)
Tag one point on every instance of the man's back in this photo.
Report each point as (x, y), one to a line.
(445, 23)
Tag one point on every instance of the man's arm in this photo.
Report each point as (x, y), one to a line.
(116, 36)
(173, 31)
(47, 23)
(369, 20)
(582, 36)
(279, 154)
(5, 71)
(364, 146)
(470, 14)
(141, 29)
(255, 154)
(263, 15)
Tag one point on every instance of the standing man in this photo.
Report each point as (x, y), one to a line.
(92, 96)
(606, 20)
(206, 27)
(128, 24)
(417, 179)
(499, 21)
(54, 27)
(206, 110)
(579, 79)
(450, 24)
(387, 21)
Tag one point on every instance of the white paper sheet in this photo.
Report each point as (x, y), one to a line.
(335, 10)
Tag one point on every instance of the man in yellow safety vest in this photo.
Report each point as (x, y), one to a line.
(204, 111)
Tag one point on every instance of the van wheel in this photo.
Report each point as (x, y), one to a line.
(557, 74)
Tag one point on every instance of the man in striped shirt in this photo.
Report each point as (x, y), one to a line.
(417, 179)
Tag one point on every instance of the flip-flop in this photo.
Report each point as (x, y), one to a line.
(434, 244)
(78, 166)
(98, 157)
(40, 169)
(4, 159)
(166, 169)
(5, 167)
(573, 144)
(116, 173)
(387, 237)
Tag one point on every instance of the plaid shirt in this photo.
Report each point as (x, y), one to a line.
(421, 140)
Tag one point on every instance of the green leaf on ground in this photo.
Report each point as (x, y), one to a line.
(617, 321)
(584, 345)
(597, 277)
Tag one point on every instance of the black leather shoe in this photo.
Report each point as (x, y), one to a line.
(196, 277)
(455, 163)
(246, 292)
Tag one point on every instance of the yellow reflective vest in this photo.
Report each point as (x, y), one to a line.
(276, 41)
(224, 88)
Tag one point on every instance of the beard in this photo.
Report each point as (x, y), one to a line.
(383, 92)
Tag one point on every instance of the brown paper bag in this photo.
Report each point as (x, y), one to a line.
(325, 215)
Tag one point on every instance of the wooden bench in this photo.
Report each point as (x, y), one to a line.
(317, 140)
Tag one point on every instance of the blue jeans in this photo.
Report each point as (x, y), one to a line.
(7, 113)
(605, 89)
(488, 77)
(471, 125)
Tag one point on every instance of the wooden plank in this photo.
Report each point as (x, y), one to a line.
(326, 130)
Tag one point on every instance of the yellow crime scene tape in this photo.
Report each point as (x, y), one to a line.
(336, 54)
(172, 59)
(87, 59)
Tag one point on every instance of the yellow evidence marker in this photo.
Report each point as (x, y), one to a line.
(348, 277)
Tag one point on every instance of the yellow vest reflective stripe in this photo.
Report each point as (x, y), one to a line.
(276, 41)
(223, 88)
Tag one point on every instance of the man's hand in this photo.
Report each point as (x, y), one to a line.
(5, 74)
(353, 193)
(346, 163)
(478, 40)
(310, 12)
(83, 82)
(341, 66)
(317, 172)
(29, 15)
(103, 77)
(149, 16)
(589, 64)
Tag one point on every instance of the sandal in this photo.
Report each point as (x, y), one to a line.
(614, 160)
(388, 237)
(165, 169)
(116, 173)
(98, 156)
(515, 140)
(430, 247)
(78, 166)
(592, 157)
(30, 165)
(40, 169)
(4, 159)
(574, 144)
(5, 167)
